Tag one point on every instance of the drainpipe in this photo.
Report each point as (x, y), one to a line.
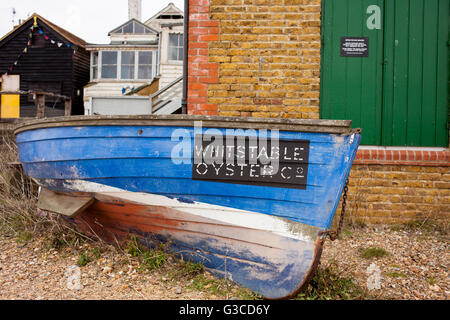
(158, 60)
(185, 58)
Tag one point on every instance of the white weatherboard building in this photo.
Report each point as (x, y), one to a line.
(141, 57)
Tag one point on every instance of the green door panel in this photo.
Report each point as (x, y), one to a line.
(415, 103)
(351, 87)
(398, 95)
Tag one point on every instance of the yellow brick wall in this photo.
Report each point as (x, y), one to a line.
(397, 194)
(268, 55)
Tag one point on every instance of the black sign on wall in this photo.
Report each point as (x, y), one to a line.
(255, 163)
(354, 47)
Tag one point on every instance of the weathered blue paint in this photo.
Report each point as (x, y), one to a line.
(241, 266)
(139, 161)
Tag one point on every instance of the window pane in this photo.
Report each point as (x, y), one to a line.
(109, 64)
(145, 64)
(145, 57)
(173, 40)
(128, 28)
(175, 47)
(127, 65)
(145, 72)
(127, 57)
(95, 58)
(172, 54)
(138, 28)
(109, 57)
(94, 72)
(109, 72)
(127, 72)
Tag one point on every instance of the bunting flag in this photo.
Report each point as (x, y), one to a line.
(59, 44)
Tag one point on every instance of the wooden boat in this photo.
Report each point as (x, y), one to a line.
(252, 211)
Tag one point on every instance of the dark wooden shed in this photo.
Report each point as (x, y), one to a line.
(46, 58)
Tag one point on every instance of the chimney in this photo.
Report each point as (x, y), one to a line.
(134, 9)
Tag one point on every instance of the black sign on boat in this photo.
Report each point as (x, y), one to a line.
(251, 160)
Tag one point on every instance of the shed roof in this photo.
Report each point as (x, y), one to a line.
(62, 32)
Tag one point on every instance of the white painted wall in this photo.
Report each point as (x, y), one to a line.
(169, 73)
(109, 88)
(105, 89)
(134, 37)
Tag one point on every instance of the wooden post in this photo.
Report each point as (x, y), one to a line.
(39, 101)
(68, 107)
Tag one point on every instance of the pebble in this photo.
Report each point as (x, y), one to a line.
(107, 270)
(435, 288)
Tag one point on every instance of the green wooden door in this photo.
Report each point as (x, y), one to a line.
(415, 104)
(398, 94)
(351, 87)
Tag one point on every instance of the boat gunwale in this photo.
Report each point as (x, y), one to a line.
(296, 125)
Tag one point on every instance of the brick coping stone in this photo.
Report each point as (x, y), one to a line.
(413, 156)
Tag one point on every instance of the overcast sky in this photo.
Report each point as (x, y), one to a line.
(90, 20)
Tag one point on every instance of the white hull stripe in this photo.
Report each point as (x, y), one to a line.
(241, 218)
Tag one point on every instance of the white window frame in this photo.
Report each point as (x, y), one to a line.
(177, 47)
(97, 65)
(153, 64)
(135, 63)
(135, 24)
(119, 65)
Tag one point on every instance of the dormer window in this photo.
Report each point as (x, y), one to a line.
(133, 27)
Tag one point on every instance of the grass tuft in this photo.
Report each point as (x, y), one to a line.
(395, 274)
(149, 259)
(19, 215)
(88, 256)
(426, 226)
(329, 284)
(373, 252)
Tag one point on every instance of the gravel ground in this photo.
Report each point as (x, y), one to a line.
(32, 271)
(415, 266)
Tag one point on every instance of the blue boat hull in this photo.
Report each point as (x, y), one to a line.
(261, 234)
